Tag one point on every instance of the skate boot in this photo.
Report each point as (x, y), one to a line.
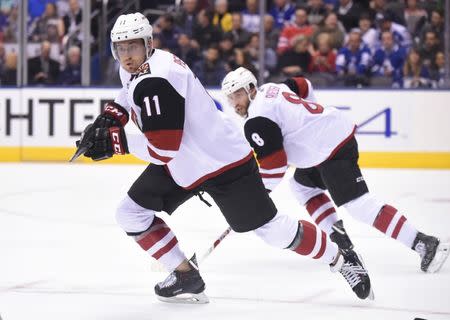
(432, 252)
(182, 287)
(340, 236)
(352, 269)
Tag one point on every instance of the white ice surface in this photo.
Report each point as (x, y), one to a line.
(62, 256)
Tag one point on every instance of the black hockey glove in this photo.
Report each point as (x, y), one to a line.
(114, 115)
(106, 142)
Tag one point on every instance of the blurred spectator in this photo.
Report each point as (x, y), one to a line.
(186, 17)
(376, 10)
(272, 34)
(250, 16)
(71, 75)
(2, 55)
(352, 61)
(7, 5)
(226, 48)
(415, 18)
(296, 61)
(369, 35)
(300, 26)
(388, 60)
(240, 36)
(157, 42)
(331, 5)
(3, 20)
(270, 57)
(334, 29)
(10, 70)
(437, 70)
(436, 25)
(168, 32)
(324, 59)
(48, 27)
(73, 18)
(42, 69)
(282, 12)
(429, 48)
(399, 32)
(348, 13)
(211, 70)
(316, 12)
(242, 59)
(204, 33)
(11, 31)
(222, 18)
(37, 7)
(415, 73)
(185, 51)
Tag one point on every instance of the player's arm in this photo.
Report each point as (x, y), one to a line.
(302, 87)
(266, 139)
(162, 115)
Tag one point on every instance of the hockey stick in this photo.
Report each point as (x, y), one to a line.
(157, 266)
(85, 142)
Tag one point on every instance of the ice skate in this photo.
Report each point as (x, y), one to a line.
(182, 287)
(352, 269)
(340, 236)
(432, 252)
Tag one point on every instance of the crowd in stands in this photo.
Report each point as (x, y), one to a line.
(351, 43)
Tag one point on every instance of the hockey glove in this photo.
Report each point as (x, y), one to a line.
(107, 142)
(114, 115)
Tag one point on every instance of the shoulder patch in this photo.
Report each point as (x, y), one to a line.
(143, 69)
(272, 92)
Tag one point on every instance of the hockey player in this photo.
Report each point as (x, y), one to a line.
(285, 125)
(192, 147)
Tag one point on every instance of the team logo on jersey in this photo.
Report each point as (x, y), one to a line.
(272, 92)
(143, 69)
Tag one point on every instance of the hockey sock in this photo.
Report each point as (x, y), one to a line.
(161, 243)
(395, 225)
(322, 211)
(314, 243)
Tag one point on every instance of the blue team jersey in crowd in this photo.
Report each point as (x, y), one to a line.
(385, 62)
(357, 62)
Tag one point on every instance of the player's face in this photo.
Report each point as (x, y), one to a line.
(131, 54)
(239, 101)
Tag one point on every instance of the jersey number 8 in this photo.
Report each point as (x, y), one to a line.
(310, 106)
(258, 140)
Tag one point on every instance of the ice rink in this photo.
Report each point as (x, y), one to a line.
(64, 257)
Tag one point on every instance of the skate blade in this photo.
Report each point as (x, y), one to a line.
(186, 298)
(441, 256)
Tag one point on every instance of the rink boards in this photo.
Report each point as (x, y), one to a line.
(401, 129)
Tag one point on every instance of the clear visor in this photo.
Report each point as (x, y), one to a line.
(129, 49)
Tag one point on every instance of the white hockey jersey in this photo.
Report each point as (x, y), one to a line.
(285, 129)
(180, 124)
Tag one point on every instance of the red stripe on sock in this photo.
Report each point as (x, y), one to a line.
(384, 218)
(325, 215)
(153, 237)
(398, 227)
(308, 242)
(158, 254)
(323, 245)
(314, 203)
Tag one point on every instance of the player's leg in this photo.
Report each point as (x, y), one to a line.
(309, 190)
(245, 204)
(155, 191)
(347, 187)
